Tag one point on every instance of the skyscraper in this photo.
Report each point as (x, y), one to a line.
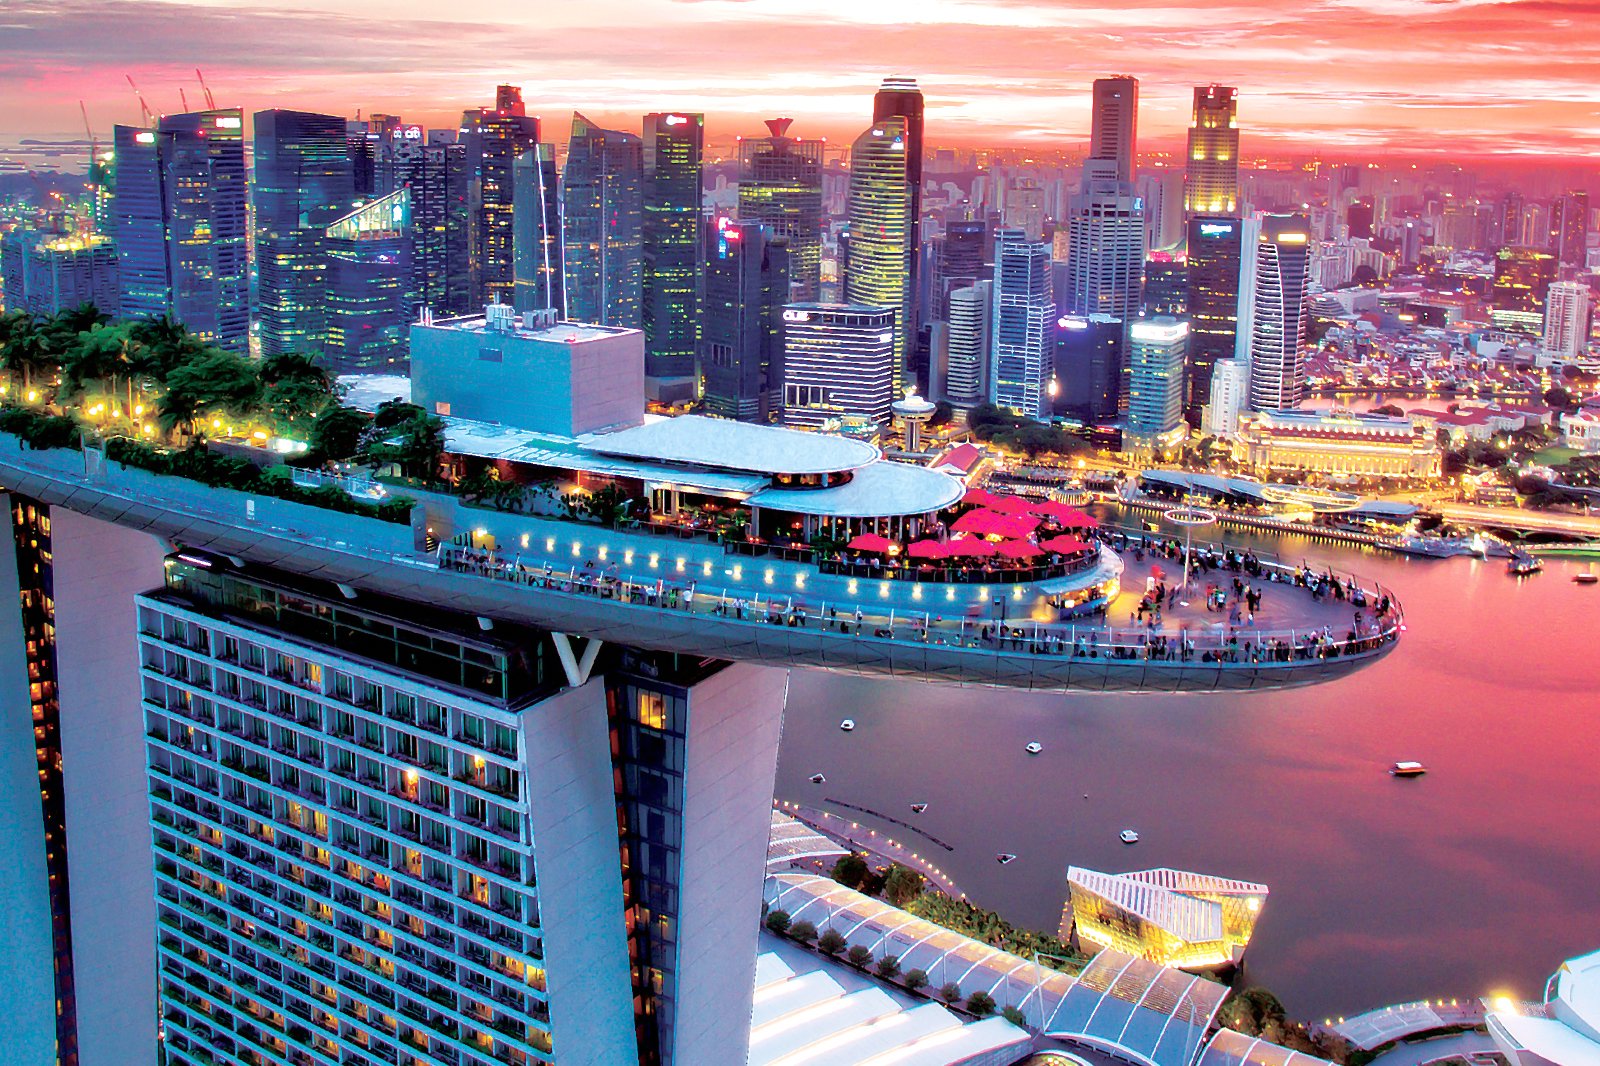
(1020, 362)
(369, 297)
(901, 98)
(838, 362)
(1211, 171)
(1212, 302)
(601, 204)
(1522, 278)
(536, 212)
(1114, 124)
(741, 335)
(780, 186)
(958, 263)
(1088, 365)
(50, 272)
(672, 252)
(967, 363)
(302, 181)
(1105, 265)
(1272, 309)
(1569, 228)
(181, 224)
(494, 138)
(436, 172)
(1566, 320)
(1156, 348)
(878, 272)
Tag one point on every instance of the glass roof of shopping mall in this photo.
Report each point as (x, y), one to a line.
(729, 445)
(1229, 1048)
(1153, 1014)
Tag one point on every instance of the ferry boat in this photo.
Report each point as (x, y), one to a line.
(1588, 577)
(1408, 769)
(1033, 747)
(1522, 564)
(848, 724)
(1128, 836)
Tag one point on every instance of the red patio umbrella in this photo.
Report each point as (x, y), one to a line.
(969, 547)
(1011, 505)
(994, 524)
(1019, 549)
(926, 549)
(979, 497)
(1064, 515)
(1065, 545)
(869, 542)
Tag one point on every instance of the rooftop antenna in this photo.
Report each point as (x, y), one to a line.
(183, 99)
(144, 108)
(211, 101)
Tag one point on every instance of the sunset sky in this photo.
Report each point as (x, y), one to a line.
(1346, 77)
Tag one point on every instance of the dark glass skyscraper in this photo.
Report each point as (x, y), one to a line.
(181, 227)
(780, 186)
(494, 138)
(369, 301)
(601, 205)
(958, 263)
(671, 252)
(1212, 298)
(536, 213)
(302, 182)
(441, 225)
(741, 337)
(1569, 228)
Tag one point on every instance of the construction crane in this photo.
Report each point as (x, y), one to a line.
(94, 142)
(144, 108)
(211, 101)
(183, 98)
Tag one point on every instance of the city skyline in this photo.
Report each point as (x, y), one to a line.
(1338, 95)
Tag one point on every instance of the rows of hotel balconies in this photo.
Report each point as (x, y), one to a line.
(406, 888)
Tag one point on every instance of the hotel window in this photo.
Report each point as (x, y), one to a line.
(652, 710)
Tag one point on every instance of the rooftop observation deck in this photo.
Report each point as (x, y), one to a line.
(650, 591)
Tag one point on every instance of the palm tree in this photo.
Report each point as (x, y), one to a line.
(295, 391)
(24, 347)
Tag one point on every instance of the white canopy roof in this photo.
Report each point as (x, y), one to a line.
(718, 442)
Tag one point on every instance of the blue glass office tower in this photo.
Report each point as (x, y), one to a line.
(369, 296)
(671, 252)
(1215, 261)
(601, 205)
(741, 335)
(303, 181)
(780, 186)
(536, 238)
(181, 224)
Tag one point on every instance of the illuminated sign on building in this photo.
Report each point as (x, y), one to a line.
(796, 316)
(229, 122)
(1215, 229)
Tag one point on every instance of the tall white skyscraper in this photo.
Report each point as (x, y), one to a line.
(1275, 275)
(1020, 359)
(1566, 320)
(966, 381)
(1230, 392)
(1105, 262)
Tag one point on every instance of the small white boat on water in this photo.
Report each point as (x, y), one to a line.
(848, 724)
(817, 779)
(1408, 769)
(918, 808)
(1128, 836)
(1004, 857)
(1033, 747)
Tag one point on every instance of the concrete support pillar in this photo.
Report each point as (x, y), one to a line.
(98, 569)
(735, 720)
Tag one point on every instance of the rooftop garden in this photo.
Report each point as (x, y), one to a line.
(161, 399)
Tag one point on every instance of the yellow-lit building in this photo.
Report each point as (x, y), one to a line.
(1340, 444)
(1171, 917)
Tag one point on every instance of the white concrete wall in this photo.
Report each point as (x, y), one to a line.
(27, 994)
(573, 809)
(98, 569)
(735, 720)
